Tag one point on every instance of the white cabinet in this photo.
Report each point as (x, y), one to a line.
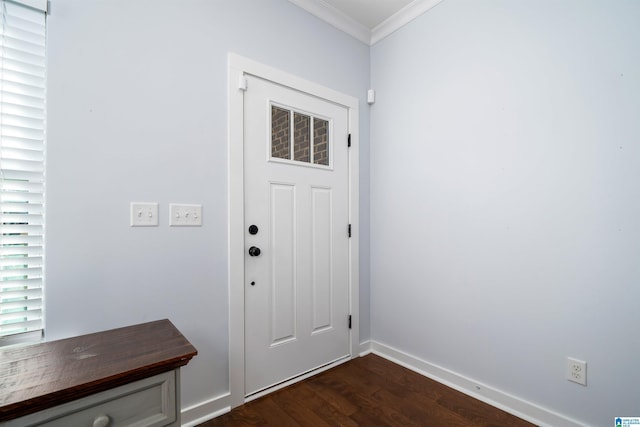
(151, 402)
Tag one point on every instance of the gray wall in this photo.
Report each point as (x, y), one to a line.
(505, 197)
(137, 111)
(504, 181)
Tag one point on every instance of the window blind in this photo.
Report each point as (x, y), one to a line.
(22, 136)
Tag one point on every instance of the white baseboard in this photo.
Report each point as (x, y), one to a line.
(365, 348)
(205, 411)
(514, 405)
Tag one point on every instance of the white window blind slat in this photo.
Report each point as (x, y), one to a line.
(21, 262)
(24, 186)
(20, 273)
(22, 130)
(21, 133)
(22, 229)
(21, 198)
(27, 82)
(29, 287)
(23, 293)
(21, 219)
(22, 176)
(28, 69)
(24, 144)
(25, 26)
(14, 328)
(31, 267)
(32, 294)
(31, 305)
(25, 23)
(17, 318)
(8, 239)
(21, 165)
(40, 5)
(21, 100)
(12, 251)
(28, 95)
(24, 83)
(25, 58)
(23, 42)
(23, 74)
(33, 311)
(15, 182)
(21, 208)
(23, 111)
(21, 154)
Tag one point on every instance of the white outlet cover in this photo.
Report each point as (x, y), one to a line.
(577, 371)
(144, 214)
(185, 215)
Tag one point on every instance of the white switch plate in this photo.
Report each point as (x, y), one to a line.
(181, 215)
(144, 214)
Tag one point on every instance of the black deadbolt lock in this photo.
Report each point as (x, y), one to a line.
(253, 229)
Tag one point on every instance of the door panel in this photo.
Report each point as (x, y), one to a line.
(296, 192)
(282, 245)
(321, 252)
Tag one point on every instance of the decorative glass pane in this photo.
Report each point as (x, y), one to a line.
(301, 138)
(280, 133)
(320, 142)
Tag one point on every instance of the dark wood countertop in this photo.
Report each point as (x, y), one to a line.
(40, 376)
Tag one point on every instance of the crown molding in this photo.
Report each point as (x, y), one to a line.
(401, 18)
(336, 18)
(345, 23)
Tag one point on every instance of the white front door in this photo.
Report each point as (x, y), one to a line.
(296, 233)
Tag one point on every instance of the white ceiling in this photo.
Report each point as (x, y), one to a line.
(369, 13)
(367, 20)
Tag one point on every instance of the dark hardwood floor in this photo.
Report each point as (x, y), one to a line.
(367, 391)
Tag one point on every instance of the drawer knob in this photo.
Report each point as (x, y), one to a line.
(101, 421)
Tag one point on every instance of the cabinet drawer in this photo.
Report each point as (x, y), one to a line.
(150, 403)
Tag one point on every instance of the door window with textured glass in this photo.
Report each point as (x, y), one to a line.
(299, 137)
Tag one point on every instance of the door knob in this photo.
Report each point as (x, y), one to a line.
(253, 251)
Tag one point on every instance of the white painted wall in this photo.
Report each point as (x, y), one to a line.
(505, 197)
(137, 112)
(504, 181)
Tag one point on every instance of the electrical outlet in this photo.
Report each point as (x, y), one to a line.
(577, 371)
(185, 215)
(144, 214)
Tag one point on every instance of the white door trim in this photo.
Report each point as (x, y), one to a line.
(238, 68)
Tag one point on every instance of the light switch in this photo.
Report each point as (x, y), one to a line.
(144, 214)
(181, 215)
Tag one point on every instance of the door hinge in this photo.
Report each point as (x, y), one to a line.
(349, 141)
(349, 230)
(349, 321)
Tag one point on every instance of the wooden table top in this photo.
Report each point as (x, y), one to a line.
(40, 376)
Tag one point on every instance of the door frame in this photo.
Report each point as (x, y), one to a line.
(238, 68)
